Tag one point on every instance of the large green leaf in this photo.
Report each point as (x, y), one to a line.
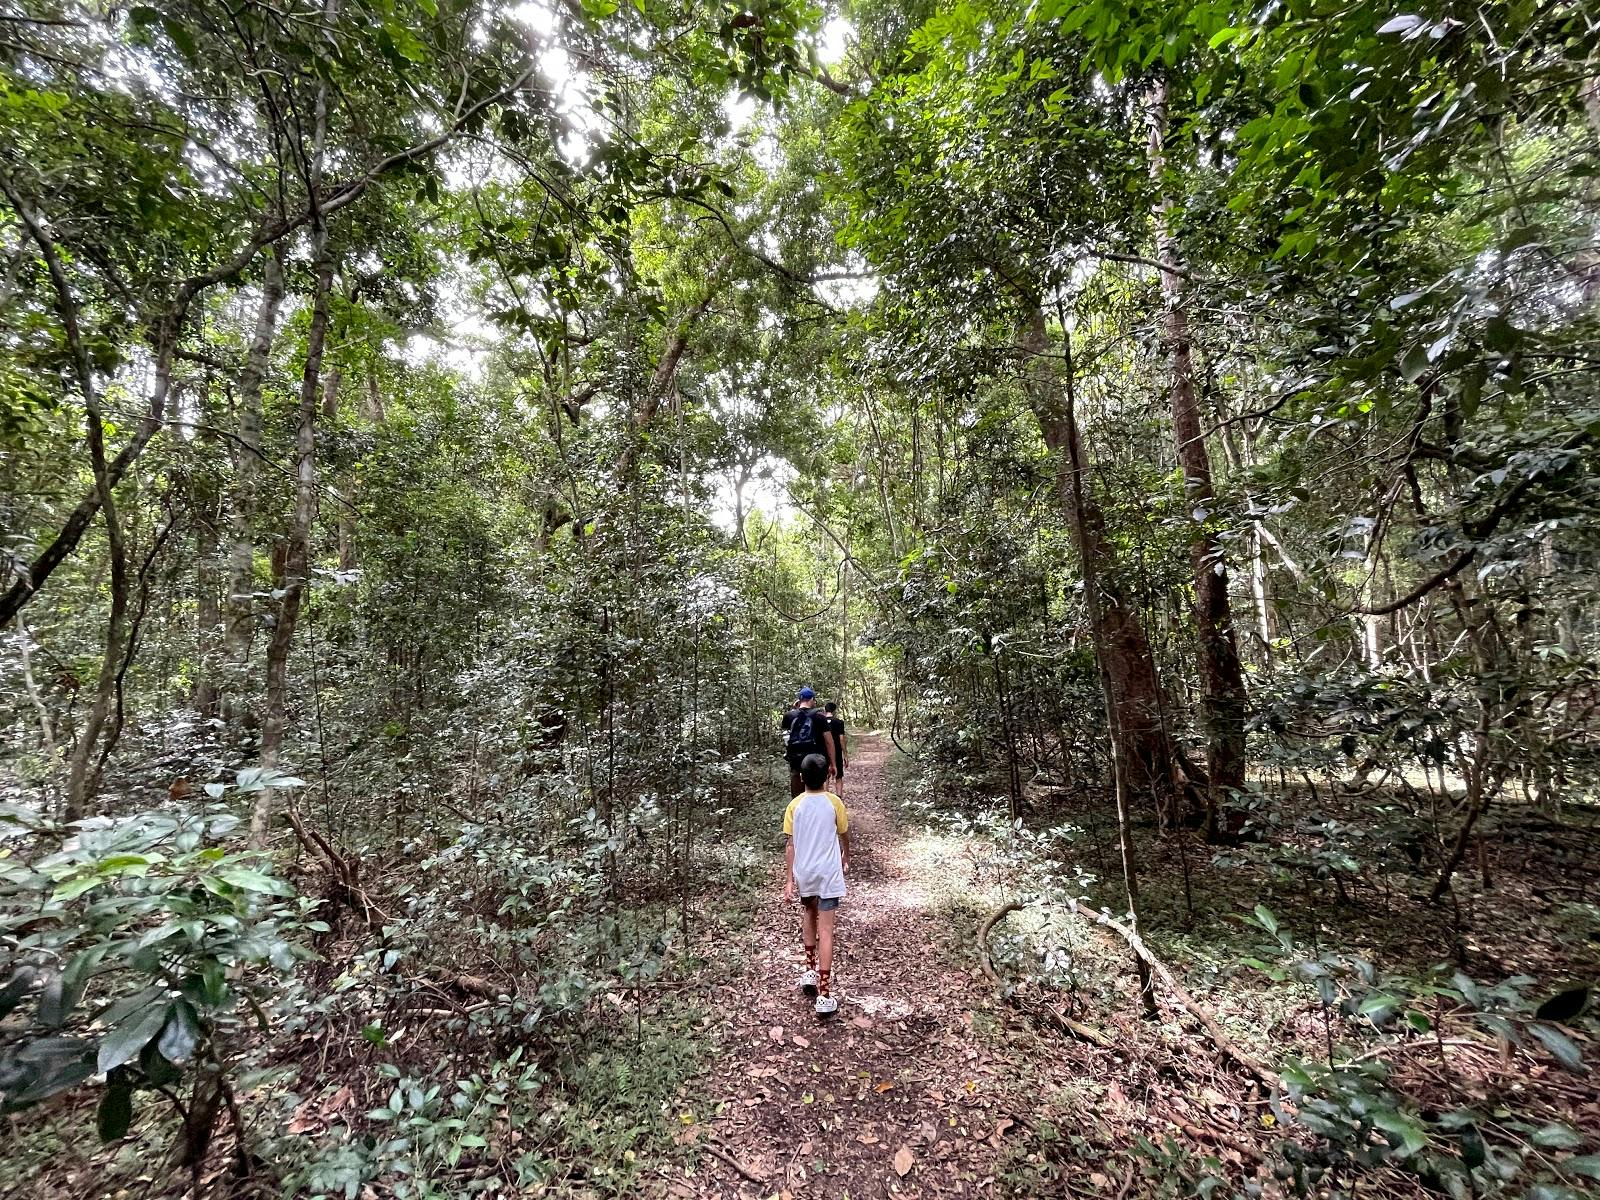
(1410, 1134)
(1559, 1044)
(181, 1033)
(124, 1042)
(253, 881)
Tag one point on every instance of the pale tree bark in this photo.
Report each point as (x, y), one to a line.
(240, 622)
(1240, 454)
(1222, 676)
(47, 731)
(345, 491)
(1144, 750)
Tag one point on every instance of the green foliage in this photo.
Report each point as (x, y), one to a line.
(141, 949)
(1356, 1104)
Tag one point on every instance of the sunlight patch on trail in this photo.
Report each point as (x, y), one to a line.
(888, 1007)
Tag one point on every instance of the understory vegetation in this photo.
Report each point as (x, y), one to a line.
(437, 437)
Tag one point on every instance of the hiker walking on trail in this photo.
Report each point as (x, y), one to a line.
(818, 855)
(836, 734)
(807, 731)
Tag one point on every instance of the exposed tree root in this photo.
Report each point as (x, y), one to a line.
(988, 923)
(345, 868)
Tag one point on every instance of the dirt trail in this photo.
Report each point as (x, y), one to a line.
(893, 1096)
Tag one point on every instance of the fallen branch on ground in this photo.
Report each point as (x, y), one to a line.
(1226, 1046)
(989, 922)
(733, 1162)
(1066, 1024)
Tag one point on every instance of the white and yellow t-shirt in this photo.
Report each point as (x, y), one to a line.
(815, 820)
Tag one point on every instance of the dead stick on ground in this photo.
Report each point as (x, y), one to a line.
(1077, 1029)
(733, 1162)
(1225, 1045)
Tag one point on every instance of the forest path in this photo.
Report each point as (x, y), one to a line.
(893, 1096)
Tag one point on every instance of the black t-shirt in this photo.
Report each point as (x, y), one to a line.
(819, 726)
(836, 726)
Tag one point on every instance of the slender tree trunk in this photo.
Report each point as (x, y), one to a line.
(240, 619)
(207, 594)
(844, 621)
(1095, 597)
(297, 551)
(47, 732)
(81, 778)
(1221, 675)
(1144, 750)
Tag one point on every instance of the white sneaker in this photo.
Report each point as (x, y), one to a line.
(826, 1006)
(809, 982)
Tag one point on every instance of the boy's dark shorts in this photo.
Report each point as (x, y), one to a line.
(821, 903)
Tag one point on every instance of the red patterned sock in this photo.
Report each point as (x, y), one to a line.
(811, 958)
(822, 988)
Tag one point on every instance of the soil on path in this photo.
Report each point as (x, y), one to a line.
(893, 1096)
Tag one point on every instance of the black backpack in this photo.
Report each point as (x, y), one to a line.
(803, 736)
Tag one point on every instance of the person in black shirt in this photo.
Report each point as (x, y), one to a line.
(814, 736)
(836, 734)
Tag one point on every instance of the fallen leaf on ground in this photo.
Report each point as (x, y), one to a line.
(776, 1033)
(801, 1042)
(903, 1161)
(1000, 1127)
(885, 1086)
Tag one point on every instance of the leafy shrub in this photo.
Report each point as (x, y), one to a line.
(139, 948)
(1363, 1113)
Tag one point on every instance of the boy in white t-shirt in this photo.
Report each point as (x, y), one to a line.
(818, 854)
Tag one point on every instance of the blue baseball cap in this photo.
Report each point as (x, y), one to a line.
(807, 694)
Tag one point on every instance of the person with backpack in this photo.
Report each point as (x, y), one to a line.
(807, 731)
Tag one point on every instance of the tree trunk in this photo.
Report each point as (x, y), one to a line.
(1221, 675)
(297, 551)
(47, 733)
(207, 594)
(107, 473)
(81, 778)
(239, 633)
(1096, 597)
(1144, 749)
